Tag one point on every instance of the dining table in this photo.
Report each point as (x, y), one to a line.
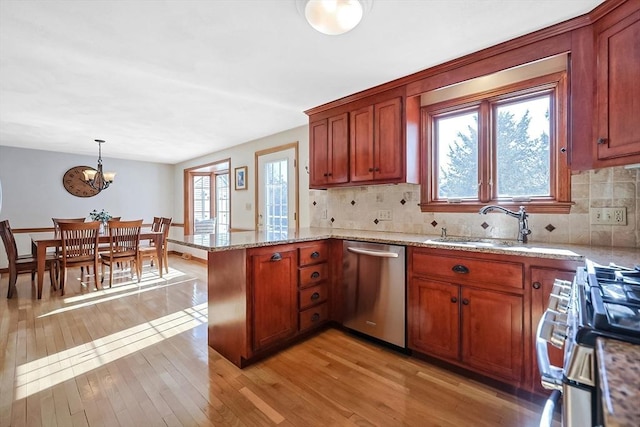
(41, 241)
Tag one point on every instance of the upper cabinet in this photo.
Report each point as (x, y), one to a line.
(329, 151)
(376, 144)
(617, 44)
(362, 142)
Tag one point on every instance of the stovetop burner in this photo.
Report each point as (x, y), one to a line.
(613, 298)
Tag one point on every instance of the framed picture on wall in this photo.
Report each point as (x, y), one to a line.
(241, 178)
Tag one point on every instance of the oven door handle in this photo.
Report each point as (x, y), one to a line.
(551, 376)
(546, 420)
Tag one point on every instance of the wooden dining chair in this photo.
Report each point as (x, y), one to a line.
(124, 241)
(150, 250)
(79, 248)
(56, 227)
(22, 263)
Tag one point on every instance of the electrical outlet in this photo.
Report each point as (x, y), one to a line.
(324, 214)
(384, 215)
(609, 216)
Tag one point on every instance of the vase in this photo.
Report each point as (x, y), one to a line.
(103, 227)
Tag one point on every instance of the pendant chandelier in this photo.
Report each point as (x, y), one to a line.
(97, 179)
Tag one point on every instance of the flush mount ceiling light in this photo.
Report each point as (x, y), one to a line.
(334, 17)
(96, 178)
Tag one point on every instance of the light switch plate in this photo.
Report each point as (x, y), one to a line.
(608, 216)
(384, 215)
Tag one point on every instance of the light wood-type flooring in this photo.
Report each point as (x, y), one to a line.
(137, 355)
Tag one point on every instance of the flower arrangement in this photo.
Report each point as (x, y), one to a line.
(101, 216)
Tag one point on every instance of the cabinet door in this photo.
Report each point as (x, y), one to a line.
(361, 145)
(618, 89)
(492, 332)
(542, 282)
(434, 316)
(338, 149)
(318, 153)
(389, 150)
(274, 289)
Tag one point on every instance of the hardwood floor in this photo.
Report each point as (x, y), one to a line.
(137, 355)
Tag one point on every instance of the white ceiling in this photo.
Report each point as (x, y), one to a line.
(167, 81)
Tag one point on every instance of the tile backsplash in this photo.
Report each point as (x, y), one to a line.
(364, 208)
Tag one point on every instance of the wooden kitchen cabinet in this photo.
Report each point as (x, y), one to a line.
(463, 310)
(274, 291)
(617, 43)
(329, 151)
(314, 278)
(376, 143)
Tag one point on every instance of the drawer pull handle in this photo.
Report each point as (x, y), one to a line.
(454, 299)
(315, 296)
(276, 257)
(536, 285)
(315, 254)
(465, 301)
(315, 275)
(602, 141)
(315, 317)
(459, 268)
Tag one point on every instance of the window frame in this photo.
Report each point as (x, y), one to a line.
(210, 169)
(559, 200)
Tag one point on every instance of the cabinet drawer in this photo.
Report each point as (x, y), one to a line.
(468, 270)
(313, 317)
(313, 253)
(312, 296)
(313, 274)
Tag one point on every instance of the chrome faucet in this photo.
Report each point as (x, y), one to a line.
(521, 215)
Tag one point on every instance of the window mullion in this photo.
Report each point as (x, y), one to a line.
(485, 153)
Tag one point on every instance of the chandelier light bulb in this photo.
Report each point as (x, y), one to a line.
(333, 17)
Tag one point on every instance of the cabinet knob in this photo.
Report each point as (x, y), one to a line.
(315, 254)
(370, 169)
(602, 141)
(465, 301)
(315, 275)
(536, 285)
(325, 174)
(459, 268)
(315, 296)
(376, 169)
(276, 257)
(454, 299)
(315, 317)
(329, 174)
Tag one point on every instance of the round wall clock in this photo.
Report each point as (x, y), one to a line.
(73, 181)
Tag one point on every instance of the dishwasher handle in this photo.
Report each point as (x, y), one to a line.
(374, 253)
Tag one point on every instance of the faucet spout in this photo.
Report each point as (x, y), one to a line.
(521, 216)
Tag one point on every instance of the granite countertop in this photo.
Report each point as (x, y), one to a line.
(251, 239)
(619, 371)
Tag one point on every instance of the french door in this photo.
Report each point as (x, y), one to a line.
(277, 190)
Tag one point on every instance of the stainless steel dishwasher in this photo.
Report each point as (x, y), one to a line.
(374, 282)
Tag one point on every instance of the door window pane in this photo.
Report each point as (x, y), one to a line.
(202, 204)
(222, 203)
(276, 197)
(522, 146)
(456, 139)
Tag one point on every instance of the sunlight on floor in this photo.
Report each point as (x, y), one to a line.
(145, 285)
(54, 369)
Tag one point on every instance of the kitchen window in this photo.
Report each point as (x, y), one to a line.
(507, 146)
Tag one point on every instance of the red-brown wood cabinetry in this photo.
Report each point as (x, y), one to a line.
(618, 86)
(329, 151)
(274, 292)
(376, 143)
(461, 310)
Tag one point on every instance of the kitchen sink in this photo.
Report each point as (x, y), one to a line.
(476, 242)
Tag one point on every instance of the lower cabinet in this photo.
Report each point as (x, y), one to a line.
(465, 321)
(482, 329)
(274, 290)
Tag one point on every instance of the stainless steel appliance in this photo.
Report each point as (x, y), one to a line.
(602, 301)
(374, 282)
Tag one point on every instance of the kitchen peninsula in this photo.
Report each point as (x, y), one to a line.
(261, 300)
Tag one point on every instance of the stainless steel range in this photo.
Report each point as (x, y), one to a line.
(602, 301)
